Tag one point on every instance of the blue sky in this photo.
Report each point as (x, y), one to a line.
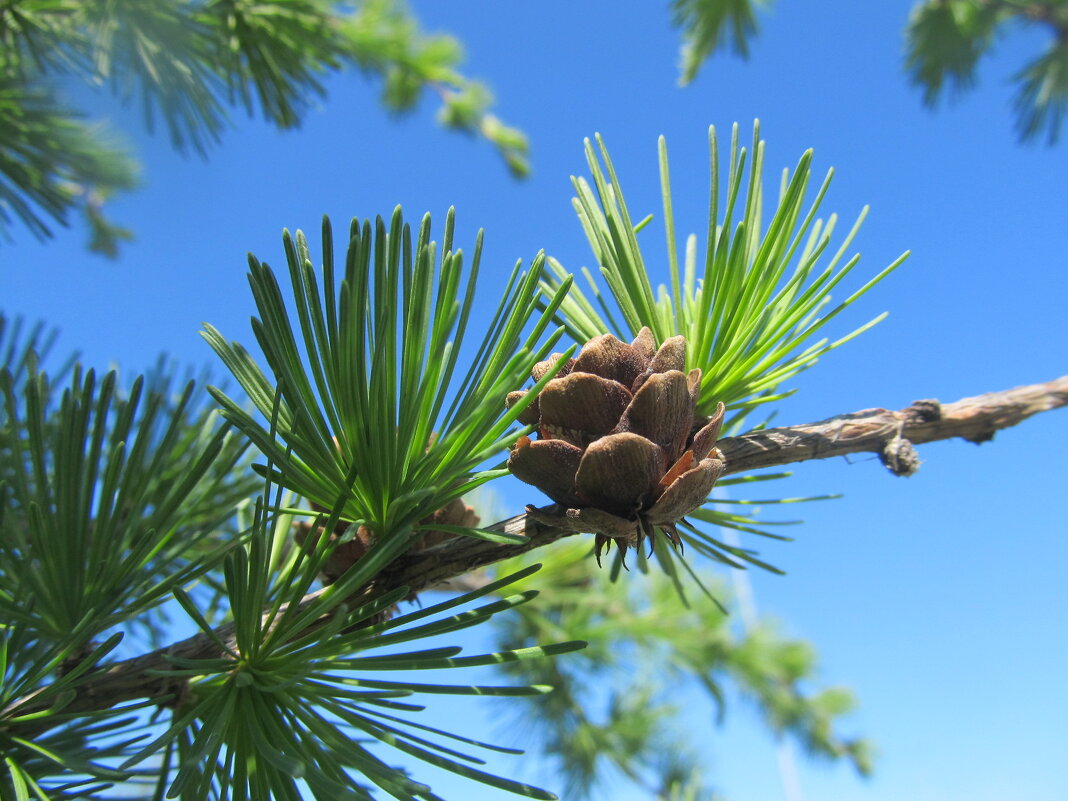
(939, 599)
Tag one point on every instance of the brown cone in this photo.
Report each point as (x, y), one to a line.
(618, 448)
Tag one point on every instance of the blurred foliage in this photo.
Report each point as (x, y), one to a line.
(188, 64)
(709, 25)
(944, 40)
(52, 162)
(618, 705)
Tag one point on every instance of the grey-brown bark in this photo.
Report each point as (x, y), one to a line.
(891, 434)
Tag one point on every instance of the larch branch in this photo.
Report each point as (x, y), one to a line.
(891, 434)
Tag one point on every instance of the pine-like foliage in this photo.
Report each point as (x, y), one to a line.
(131, 510)
(188, 65)
(126, 508)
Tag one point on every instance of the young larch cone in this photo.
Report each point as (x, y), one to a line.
(616, 447)
(454, 513)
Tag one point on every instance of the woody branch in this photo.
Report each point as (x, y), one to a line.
(890, 434)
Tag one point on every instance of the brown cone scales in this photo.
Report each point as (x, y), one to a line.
(616, 447)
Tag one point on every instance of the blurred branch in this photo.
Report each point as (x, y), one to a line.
(888, 433)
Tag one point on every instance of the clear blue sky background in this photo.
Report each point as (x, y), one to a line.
(940, 599)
